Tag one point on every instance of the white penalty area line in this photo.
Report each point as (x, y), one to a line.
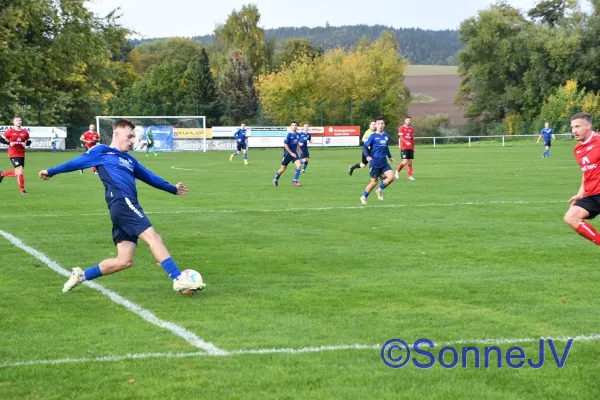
(289, 351)
(148, 316)
(332, 208)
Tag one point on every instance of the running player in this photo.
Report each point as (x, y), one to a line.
(290, 145)
(240, 137)
(407, 147)
(16, 138)
(378, 143)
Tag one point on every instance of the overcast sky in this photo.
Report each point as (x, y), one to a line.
(166, 18)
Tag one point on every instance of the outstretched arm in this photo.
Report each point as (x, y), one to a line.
(149, 178)
(86, 160)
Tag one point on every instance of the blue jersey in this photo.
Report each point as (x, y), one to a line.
(378, 142)
(547, 133)
(117, 170)
(240, 135)
(303, 139)
(292, 141)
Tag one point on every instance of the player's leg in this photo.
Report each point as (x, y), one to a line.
(586, 208)
(548, 149)
(284, 163)
(245, 152)
(375, 173)
(410, 169)
(298, 165)
(389, 178)
(361, 164)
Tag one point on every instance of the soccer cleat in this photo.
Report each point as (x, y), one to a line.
(246, 162)
(231, 157)
(303, 171)
(24, 191)
(155, 154)
(410, 178)
(297, 184)
(75, 279)
(81, 171)
(185, 285)
(275, 182)
(379, 195)
(363, 199)
(397, 175)
(350, 170)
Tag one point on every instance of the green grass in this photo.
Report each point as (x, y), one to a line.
(420, 70)
(418, 98)
(475, 248)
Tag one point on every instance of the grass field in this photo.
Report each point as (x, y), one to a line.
(474, 250)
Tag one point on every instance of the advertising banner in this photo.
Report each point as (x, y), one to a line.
(198, 145)
(40, 131)
(191, 133)
(41, 144)
(162, 137)
(332, 141)
(342, 131)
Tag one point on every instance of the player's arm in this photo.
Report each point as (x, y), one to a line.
(580, 194)
(553, 137)
(367, 148)
(145, 175)
(86, 160)
(4, 141)
(286, 147)
(539, 138)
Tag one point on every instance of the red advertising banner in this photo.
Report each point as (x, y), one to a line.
(342, 131)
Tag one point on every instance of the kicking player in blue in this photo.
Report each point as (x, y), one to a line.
(548, 134)
(303, 139)
(378, 143)
(118, 171)
(290, 147)
(240, 136)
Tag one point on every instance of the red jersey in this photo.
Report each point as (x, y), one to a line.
(13, 135)
(587, 155)
(91, 136)
(406, 138)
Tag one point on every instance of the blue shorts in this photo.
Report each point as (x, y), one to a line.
(376, 172)
(241, 146)
(129, 221)
(305, 153)
(548, 143)
(288, 159)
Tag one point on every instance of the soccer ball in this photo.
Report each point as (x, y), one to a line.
(193, 275)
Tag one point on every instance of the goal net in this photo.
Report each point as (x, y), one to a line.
(165, 131)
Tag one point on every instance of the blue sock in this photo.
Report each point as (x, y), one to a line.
(296, 175)
(92, 273)
(245, 156)
(365, 194)
(305, 165)
(170, 268)
(277, 175)
(382, 186)
(235, 154)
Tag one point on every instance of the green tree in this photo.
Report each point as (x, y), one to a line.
(241, 33)
(202, 97)
(294, 49)
(236, 86)
(551, 11)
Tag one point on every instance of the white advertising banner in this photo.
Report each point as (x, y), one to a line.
(332, 141)
(40, 131)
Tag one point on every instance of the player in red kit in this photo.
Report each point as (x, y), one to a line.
(16, 138)
(586, 203)
(407, 147)
(90, 138)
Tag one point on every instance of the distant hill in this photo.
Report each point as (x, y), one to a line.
(420, 46)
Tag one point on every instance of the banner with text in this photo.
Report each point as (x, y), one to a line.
(40, 131)
(191, 133)
(162, 137)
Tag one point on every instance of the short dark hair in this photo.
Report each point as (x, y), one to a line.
(582, 115)
(294, 122)
(380, 119)
(372, 121)
(407, 117)
(17, 116)
(123, 123)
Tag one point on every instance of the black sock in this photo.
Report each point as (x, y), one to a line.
(355, 166)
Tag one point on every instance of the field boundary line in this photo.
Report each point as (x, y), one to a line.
(302, 350)
(146, 315)
(331, 208)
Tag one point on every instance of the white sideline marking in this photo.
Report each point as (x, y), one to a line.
(592, 337)
(276, 210)
(148, 316)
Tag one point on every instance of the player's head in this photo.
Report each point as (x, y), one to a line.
(372, 125)
(123, 135)
(17, 121)
(407, 121)
(294, 126)
(305, 128)
(380, 124)
(581, 126)
(243, 126)
(92, 127)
